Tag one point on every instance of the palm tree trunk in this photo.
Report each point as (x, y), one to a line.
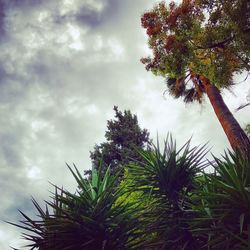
(235, 134)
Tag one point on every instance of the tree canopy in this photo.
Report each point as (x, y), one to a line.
(198, 37)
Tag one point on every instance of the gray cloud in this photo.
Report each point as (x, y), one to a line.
(94, 14)
(63, 67)
(24, 4)
(2, 20)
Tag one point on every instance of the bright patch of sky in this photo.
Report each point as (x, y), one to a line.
(74, 35)
(72, 5)
(33, 172)
(42, 16)
(96, 4)
(92, 109)
(116, 47)
(70, 37)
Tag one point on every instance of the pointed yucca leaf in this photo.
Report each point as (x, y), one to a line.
(245, 243)
(94, 179)
(242, 219)
(67, 200)
(56, 201)
(83, 197)
(232, 175)
(79, 174)
(30, 221)
(87, 243)
(39, 209)
(197, 157)
(92, 192)
(80, 181)
(105, 181)
(28, 228)
(63, 212)
(30, 237)
(185, 147)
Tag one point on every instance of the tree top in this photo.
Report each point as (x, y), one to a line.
(199, 37)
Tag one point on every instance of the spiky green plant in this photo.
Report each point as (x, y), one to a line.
(166, 180)
(223, 208)
(165, 201)
(91, 218)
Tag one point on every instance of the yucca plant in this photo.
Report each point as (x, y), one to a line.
(166, 181)
(91, 218)
(166, 201)
(223, 208)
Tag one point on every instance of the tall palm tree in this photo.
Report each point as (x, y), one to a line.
(198, 46)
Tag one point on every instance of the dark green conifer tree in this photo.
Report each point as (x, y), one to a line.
(123, 139)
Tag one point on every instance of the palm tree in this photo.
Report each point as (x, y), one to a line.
(198, 46)
(92, 218)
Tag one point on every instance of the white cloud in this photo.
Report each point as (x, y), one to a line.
(75, 35)
(71, 6)
(68, 6)
(42, 16)
(92, 109)
(34, 172)
(96, 4)
(98, 43)
(116, 48)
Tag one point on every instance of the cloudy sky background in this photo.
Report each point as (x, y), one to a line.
(63, 66)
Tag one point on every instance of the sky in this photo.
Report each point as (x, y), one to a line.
(63, 66)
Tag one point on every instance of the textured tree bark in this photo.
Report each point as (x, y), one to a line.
(235, 134)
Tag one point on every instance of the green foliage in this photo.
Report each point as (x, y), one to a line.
(165, 201)
(91, 218)
(123, 136)
(223, 209)
(169, 172)
(166, 181)
(198, 37)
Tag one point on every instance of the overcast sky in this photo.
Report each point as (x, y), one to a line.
(64, 64)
